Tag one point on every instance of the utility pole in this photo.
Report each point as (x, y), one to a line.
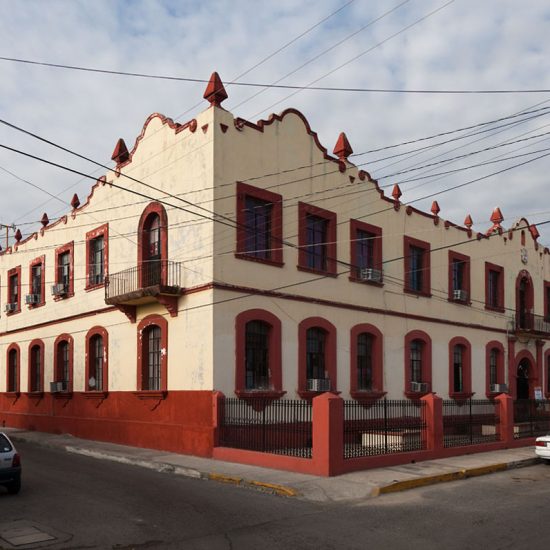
(7, 228)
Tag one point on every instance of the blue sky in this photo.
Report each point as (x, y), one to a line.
(489, 44)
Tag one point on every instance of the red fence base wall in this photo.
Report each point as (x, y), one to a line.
(182, 422)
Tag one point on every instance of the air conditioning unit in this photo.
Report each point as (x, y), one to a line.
(31, 299)
(460, 295)
(370, 274)
(499, 388)
(11, 307)
(59, 289)
(318, 384)
(56, 387)
(419, 387)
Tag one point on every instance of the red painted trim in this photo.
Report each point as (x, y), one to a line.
(97, 330)
(330, 353)
(524, 275)
(162, 323)
(274, 359)
(547, 373)
(30, 377)
(466, 276)
(14, 271)
(152, 209)
(57, 374)
(546, 290)
(69, 247)
(493, 344)
(525, 354)
(500, 290)
(303, 211)
(409, 242)
(102, 231)
(376, 232)
(377, 362)
(466, 368)
(276, 241)
(42, 262)
(426, 362)
(16, 386)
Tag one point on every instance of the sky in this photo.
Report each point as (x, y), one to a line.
(382, 44)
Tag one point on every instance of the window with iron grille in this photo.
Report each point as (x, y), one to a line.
(36, 281)
(364, 246)
(315, 353)
(13, 362)
(64, 269)
(458, 368)
(35, 369)
(316, 243)
(416, 272)
(13, 296)
(257, 355)
(493, 366)
(63, 364)
(97, 261)
(95, 369)
(458, 268)
(416, 352)
(153, 376)
(365, 361)
(258, 234)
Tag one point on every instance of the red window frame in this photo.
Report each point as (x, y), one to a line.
(102, 231)
(17, 379)
(143, 254)
(97, 331)
(57, 374)
(42, 262)
(376, 233)
(408, 243)
(426, 363)
(377, 390)
(490, 267)
(547, 374)
(330, 354)
(40, 344)
(66, 248)
(456, 256)
(14, 271)
(142, 359)
(546, 290)
(494, 344)
(274, 354)
(245, 191)
(305, 210)
(466, 368)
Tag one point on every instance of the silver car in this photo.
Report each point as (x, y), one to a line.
(10, 465)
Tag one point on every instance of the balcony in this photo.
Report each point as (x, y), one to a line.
(157, 281)
(531, 324)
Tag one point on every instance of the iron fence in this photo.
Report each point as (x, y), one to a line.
(531, 418)
(469, 422)
(165, 273)
(383, 427)
(258, 424)
(531, 323)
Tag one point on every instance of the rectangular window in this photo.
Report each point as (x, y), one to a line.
(365, 252)
(37, 282)
(494, 287)
(97, 248)
(64, 274)
(259, 225)
(459, 277)
(317, 239)
(417, 266)
(547, 301)
(13, 304)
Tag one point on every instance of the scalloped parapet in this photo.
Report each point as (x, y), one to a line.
(120, 153)
(215, 92)
(45, 220)
(342, 149)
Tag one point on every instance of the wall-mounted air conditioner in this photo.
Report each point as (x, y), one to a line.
(370, 274)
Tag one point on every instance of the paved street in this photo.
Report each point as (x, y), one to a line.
(87, 503)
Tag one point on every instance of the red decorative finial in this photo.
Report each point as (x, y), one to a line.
(75, 203)
(396, 192)
(120, 154)
(534, 232)
(435, 208)
(45, 220)
(468, 222)
(18, 235)
(215, 92)
(497, 217)
(342, 148)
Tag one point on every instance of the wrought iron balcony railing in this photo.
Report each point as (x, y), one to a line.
(529, 322)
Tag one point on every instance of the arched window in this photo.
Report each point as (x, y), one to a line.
(418, 364)
(63, 363)
(153, 245)
(494, 369)
(366, 362)
(317, 357)
(12, 384)
(36, 366)
(97, 345)
(153, 353)
(257, 355)
(460, 369)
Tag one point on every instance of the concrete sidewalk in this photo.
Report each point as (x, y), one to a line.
(348, 487)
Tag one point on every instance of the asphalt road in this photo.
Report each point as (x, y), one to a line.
(89, 503)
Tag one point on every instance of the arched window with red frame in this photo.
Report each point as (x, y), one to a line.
(13, 356)
(418, 364)
(494, 369)
(36, 366)
(460, 368)
(63, 362)
(97, 354)
(152, 354)
(153, 245)
(366, 358)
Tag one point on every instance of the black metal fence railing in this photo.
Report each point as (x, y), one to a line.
(383, 427)
(469, 422)
(163, 272)
(256, 424)
(531, 418)
(531, 322)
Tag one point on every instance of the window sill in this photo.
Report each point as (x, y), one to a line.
(354, 279)
(35, 395)
(94, 287)
(62, 395)
(460, 302)
(500, 309)
(65, 297)
(415, 394)
(308, 394)
(10, 313)
(317, 271)
(151, 394)
(364, 395)
(36, 306)
(424, 293)
(461, 396)
(15, 394)
(259, 394)
(250, 258)
(95, 394)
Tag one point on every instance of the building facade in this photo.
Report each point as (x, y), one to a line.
(225, 256)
